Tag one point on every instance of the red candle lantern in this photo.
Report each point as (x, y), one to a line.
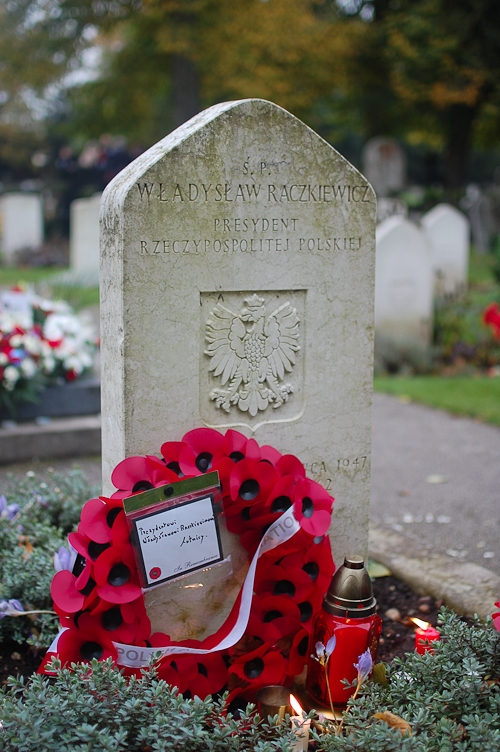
(347, 625)
(425, 635)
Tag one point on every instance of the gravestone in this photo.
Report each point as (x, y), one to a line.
(240, 222)
(84, 235)
(21, 223)
(390, 207)
(403, 291)
(448, 232)
(384, 165)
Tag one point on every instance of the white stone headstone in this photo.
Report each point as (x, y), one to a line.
(84, 235)
(243, 216)
(390, 207)
(448, 231)
(384, 165)
(21, 223)
(403, 289)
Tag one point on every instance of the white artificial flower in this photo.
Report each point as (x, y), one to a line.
(3, 359)
(28, 367)
(11, 375)
(16, 340)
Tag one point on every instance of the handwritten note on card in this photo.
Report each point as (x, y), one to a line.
(177, 540)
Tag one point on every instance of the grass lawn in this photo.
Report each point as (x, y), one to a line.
(475, 396)
(41, 279)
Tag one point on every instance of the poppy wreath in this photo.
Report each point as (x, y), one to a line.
(101, 603)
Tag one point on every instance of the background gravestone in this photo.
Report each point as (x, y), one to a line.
(21, 223)
(403, 292)
(384, 165)
(84, 235)
(448, 232)
(241, 224)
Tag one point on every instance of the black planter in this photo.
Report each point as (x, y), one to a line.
(81, 397)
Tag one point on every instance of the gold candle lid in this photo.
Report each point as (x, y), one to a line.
(350, 593)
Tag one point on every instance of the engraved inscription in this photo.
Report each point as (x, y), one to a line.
(238, 193)
(252, 352)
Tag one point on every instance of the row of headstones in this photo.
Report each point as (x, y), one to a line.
(416, 264)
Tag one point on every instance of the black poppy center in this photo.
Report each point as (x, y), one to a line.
(245, 514)
(112, 619)
(96, 549)
(271, 615)
(281, 504)
(142, 485)
(249, 489)
(254, 668)
(90, 650)
(302, 646)
(312, 569)
(204, 461)
(88, 587)
(237, 456)
(306, 610)
(112, 515)
(307, 507)
(202, 669)
(284, 587)
(119, 575)
(175, 468)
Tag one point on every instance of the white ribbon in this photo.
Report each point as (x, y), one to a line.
(136, 657)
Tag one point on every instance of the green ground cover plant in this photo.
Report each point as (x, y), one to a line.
(444, 701)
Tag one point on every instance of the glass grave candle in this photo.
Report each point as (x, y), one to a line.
(348, 614)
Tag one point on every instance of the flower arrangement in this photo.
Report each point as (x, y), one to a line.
(41, 342)
(101, 604)
(491, 317)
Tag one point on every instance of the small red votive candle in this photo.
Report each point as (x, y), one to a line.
(425, 635)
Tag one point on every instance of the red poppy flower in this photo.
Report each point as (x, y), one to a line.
(299, 653)
(84, 643)
(88, 548)
(103, 520)
(234, 445)
(125, 622)
(288, 464)
(202, 447)
(316, 561)
(170, 451)
(491, 316)
(269, 454)
(251, 482)
(312, 507)
(71, 594)
(281, 497)
(496, 617)
(272, 632)
(256, 528)
(262, 666)
(290, 582)
(136, 474)
(116, 575)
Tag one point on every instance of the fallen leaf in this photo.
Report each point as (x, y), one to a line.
(376, 570)
(24, 542)
(395, 721)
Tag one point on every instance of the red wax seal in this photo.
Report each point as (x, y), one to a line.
(155, 573)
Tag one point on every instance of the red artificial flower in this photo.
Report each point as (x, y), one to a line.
(251, 482)
(312, 507)
(299, 653)
(491, 317)
(116, 575)
(316, 561)
(88, 548)
(280, 498)
(285, 581)
(70, 593)
(261, 667)
(103, 520)
(256, 528)
(288, 464)
(202, 447)
(125, 622)
(170, 451)
(496, 617)
(136, 474)
(84, 643)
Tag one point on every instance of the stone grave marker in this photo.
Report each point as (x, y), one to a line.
(448, 232)
(239, 233)
(384, 165)
(21, 223)
(84, 235)
(403, 290)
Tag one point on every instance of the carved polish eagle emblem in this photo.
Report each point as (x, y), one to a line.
(252, 353)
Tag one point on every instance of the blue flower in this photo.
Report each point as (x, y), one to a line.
(13, 607)
(64, 559)
(7, 511)
(323, 653)
(364, 666)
